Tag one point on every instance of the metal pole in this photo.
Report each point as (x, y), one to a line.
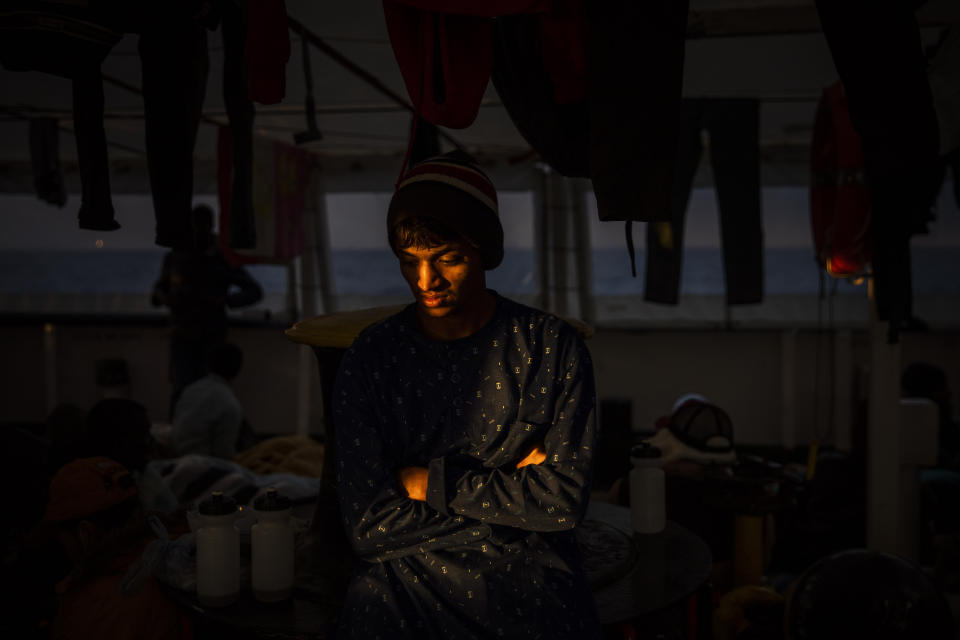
(883, 437)
(321, 239)
(558, 210)
(541, 234)
(583, 253)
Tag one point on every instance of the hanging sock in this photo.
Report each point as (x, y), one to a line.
(45, 158)
(96, 206)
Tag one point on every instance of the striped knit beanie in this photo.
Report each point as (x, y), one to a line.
(451, 189)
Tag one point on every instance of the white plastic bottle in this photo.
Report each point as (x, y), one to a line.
(218, 552)
(272, 548)
(647, 509)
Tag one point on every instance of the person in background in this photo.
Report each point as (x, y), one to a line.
(66, 432)
(465, 431)
(207, 417)
(94, 525)
(119, 429)
(940, 485)
(925, 380)
(198, 286)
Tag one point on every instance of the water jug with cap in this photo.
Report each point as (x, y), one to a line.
(647, 509)
(218, 551)
(272, 548)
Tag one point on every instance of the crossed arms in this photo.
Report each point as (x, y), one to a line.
(392, 510)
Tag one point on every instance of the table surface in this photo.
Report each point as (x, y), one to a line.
(661, 570)
(669, 566)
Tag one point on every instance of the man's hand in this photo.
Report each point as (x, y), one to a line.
(537, 455)
(414, 482)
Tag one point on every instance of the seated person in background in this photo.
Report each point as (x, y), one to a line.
(924, 380)
(939, 486)
(207, 416)
(119, 429)
(93, 516)
(66, 432)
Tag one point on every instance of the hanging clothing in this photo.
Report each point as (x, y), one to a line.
(575, 109)
(733, 125)
(445, 52)
(883, 69)
(242, 230)
(839, 197)
(45, 159)
(491, 553)
(426, 140)
(175, 65)
(557, 130)
(633, 116)
(96, 202)
(60, 38)
(267, 50)
(75, 49)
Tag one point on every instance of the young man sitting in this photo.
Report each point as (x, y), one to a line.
(465, 430)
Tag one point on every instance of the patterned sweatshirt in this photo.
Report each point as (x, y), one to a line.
(491, 553)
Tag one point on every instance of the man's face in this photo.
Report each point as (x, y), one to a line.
(445, 280)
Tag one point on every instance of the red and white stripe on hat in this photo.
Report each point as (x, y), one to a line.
(460, 176)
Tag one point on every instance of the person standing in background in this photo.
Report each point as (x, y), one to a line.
(198, 286)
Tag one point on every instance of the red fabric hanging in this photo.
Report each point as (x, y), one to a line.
(445, 51)
(267, 50)
(839, 198)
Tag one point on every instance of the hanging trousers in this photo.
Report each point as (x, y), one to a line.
(733, 125)
(45, 159)
(881, 63)
(242, 233)
(96, 203)
(175, 65)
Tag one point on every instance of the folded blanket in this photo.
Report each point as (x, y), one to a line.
(300, 455)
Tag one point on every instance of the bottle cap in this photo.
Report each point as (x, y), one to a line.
(645, 450)
(271, 500)
(217, 505)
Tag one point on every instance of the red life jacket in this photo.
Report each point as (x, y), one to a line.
(839, 198)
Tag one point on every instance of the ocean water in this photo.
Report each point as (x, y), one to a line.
(374, 273)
